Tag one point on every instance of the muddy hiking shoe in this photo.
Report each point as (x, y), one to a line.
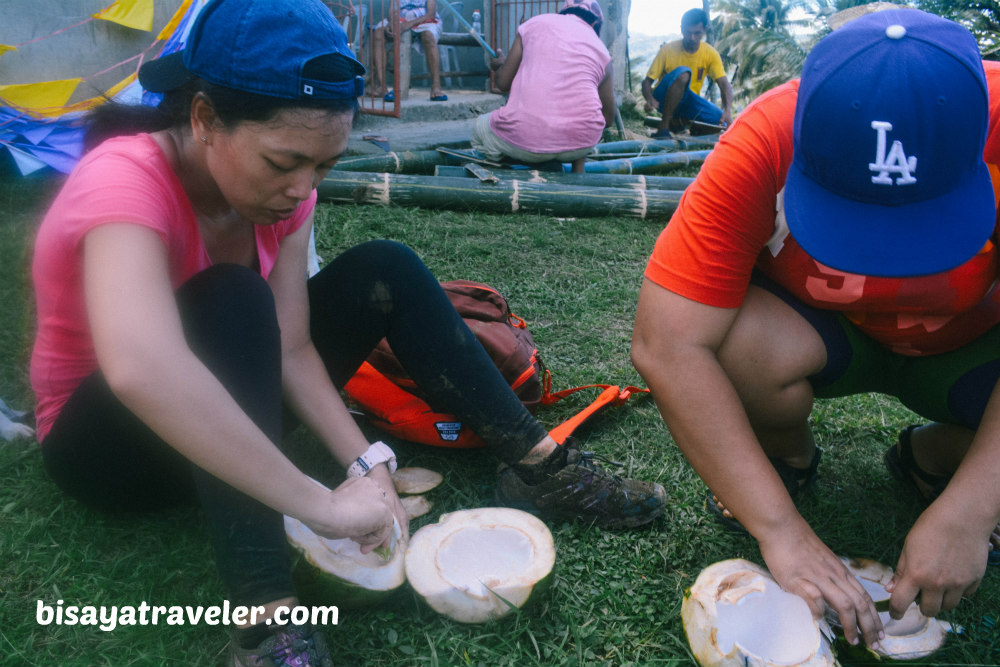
(583, 490)
(286, 646)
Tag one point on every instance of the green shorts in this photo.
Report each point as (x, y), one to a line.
(952, 387)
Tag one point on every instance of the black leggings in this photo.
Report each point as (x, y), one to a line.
(102, 454)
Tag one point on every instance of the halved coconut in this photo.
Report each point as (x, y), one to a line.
(336, 572)
(410, 481)
(911, 637)
(415, 506)
(480, 564)
(735, 614)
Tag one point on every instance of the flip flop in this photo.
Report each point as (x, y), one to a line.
(390, 96)
(439, 98)
(796, 480)
(663, 134)
(902, 466)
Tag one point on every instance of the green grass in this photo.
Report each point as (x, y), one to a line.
(616, 596)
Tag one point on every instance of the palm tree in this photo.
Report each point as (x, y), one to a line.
(764, 40)
(982, 17)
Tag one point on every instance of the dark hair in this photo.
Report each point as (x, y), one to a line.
(694, 17)
(113, 119)
(589, 17)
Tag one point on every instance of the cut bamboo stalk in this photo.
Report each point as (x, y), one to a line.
(646, 164)
(639, 181)
(654, 145)
(411, 162)
(511, 196)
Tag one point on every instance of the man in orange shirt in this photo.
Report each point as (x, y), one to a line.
(841, 240)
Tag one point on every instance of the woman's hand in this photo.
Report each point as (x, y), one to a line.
(380, 475)
(359, 509)
(803, 565)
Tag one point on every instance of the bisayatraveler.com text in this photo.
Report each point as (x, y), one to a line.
(108, 618)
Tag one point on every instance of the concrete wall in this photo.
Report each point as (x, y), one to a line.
(80, 52)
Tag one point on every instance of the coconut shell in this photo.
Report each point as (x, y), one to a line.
(912, 637)
(479, 565)
(411, 481)
(733, 605)
(416, 506)
(335, 572)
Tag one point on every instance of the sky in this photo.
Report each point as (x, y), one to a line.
(658, 17)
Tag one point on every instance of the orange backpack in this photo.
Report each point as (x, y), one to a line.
(394, 403)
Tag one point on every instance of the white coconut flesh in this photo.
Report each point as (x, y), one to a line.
(769, 623)
(415, 506)
(735, 614)
(343, 560)
(411, 481)
(477, 565)
(911, 637)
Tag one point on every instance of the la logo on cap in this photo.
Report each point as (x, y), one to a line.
(896, 161)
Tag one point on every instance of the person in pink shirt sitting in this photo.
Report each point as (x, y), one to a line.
(559, 77)
(179, 338)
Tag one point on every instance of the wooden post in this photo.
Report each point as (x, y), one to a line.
(403, 73)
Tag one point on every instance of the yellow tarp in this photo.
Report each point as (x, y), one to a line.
(4, 48)
(136, 14)
(41, 95)
(168, 29)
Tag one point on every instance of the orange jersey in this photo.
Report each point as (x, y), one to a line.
(731, 221)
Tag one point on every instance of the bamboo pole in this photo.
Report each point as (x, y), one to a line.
(655, 145)
(638, 181)
(414, 162)
(513, 196)
(646, 164)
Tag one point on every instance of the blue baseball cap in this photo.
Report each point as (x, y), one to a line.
(291, 49)
(887, 177)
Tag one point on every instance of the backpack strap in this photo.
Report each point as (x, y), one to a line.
(612, 395)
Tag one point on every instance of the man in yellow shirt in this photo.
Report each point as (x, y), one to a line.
(680, 69)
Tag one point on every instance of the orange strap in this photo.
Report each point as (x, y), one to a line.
(612, 395)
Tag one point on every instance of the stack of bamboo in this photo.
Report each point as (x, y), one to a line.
(621, 178)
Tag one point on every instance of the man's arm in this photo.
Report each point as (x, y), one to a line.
(647, 93)
(726, 93)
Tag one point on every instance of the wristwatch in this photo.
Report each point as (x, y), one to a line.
(378, 452)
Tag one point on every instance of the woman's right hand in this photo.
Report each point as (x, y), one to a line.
(803, 565)
(359, 509)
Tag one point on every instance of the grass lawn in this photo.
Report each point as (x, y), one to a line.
(617, 596)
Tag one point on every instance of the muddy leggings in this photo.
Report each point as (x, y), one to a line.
(100, 453)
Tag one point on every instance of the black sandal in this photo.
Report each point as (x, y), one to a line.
(902, 466)
(796, 480)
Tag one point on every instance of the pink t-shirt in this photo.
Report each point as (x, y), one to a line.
(127, 179)
(554, 105)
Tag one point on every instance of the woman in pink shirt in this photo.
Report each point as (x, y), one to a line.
(562, 97)
(176, 323)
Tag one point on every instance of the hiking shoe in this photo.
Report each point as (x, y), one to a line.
(287, 646)
(583, 490)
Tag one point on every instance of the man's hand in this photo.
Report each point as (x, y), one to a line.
(803, 565)
(943, 559)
